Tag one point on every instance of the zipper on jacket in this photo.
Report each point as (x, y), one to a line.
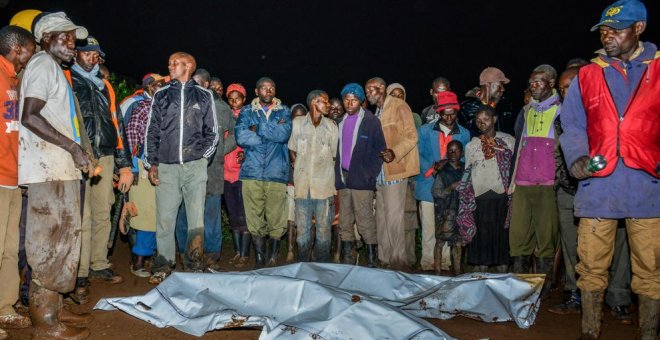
(181, 126)
(97, 120)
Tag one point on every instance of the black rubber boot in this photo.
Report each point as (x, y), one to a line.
(246, 239)
(273, 247)
(372, 255)
(544, 266)
(259, 248)
(521, 264)
(237, 238)
(347, 248)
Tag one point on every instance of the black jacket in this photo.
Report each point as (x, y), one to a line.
(182, 125)
(95, 110)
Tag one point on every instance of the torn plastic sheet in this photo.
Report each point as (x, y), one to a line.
(332, 301)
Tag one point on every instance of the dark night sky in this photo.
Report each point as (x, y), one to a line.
(307, 44)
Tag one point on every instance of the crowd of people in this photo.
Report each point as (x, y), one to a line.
(491, 189)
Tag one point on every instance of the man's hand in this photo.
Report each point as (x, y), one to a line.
(454, 185)
(153, 175)
(281, 121)
(240, 157)
(387, 155)
(82, 160)
(579, 168)
(253, 128)
(125, 179)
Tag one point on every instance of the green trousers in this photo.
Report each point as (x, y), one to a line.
(534, 222)
(265, 208)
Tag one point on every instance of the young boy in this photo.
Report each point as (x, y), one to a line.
(445, 200)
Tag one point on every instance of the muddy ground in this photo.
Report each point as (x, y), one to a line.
(117, 325)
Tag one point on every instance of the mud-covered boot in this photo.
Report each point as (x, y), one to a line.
(45, 306)
(237, 238)
(291, 239)
(592, 312)
(372, 255)
(437, 257)
(521, 264)
(246, 239)
(648, 318)
(347, 248)
(259, 251)
(273, 252)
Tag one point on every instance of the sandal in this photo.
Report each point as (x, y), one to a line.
(157, 278)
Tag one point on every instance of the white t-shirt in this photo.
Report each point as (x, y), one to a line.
(38, 160)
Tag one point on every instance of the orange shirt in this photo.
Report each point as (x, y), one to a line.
(8, 124)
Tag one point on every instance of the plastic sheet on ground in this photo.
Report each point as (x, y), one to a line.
(332, 301)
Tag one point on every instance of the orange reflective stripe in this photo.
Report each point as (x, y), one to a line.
(113, 112)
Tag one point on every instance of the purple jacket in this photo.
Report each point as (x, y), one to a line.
(626, 193)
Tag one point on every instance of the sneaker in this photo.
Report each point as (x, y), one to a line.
(572, 305)
(140, 272)
(622, 314)
(105, 275)
(157, 278)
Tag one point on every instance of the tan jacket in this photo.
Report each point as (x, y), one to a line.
(400, 136)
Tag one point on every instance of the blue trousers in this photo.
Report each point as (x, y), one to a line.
(323, 210)
(212, 226)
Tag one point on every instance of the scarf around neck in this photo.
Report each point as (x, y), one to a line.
(91, 75)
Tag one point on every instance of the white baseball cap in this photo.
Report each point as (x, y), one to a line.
(57, 22)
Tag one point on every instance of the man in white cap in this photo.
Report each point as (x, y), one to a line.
(49, 163)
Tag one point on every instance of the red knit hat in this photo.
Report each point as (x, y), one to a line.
(236, 87)
(447, 100)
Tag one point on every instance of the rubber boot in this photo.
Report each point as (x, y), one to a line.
(544, 266)
(648, 318)
(45, 306)
(237, 237)
(74, 319)
(521, 264)
(592, 312)
(291, 239)
(337, 255)
(437, 256)
(347, 248)
(457, 258)
(259, 248)
(246, 239)
(372, 255)
(273, 247)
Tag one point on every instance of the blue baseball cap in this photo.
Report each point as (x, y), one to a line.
(622, 14)
(90, 44)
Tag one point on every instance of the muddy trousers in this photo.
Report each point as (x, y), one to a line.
(596, 238)
(427, 215)
(52, 239)
(98, 201)
(178, 182)
(10, 215)
(618, 288)
(390, 210)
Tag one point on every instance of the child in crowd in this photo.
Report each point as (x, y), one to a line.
(484, 206)
(445, 200)
(297, 110)
(233, 188)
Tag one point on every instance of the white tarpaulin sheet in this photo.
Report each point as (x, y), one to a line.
(332, 301)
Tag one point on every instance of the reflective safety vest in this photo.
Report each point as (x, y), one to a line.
(635, 136)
